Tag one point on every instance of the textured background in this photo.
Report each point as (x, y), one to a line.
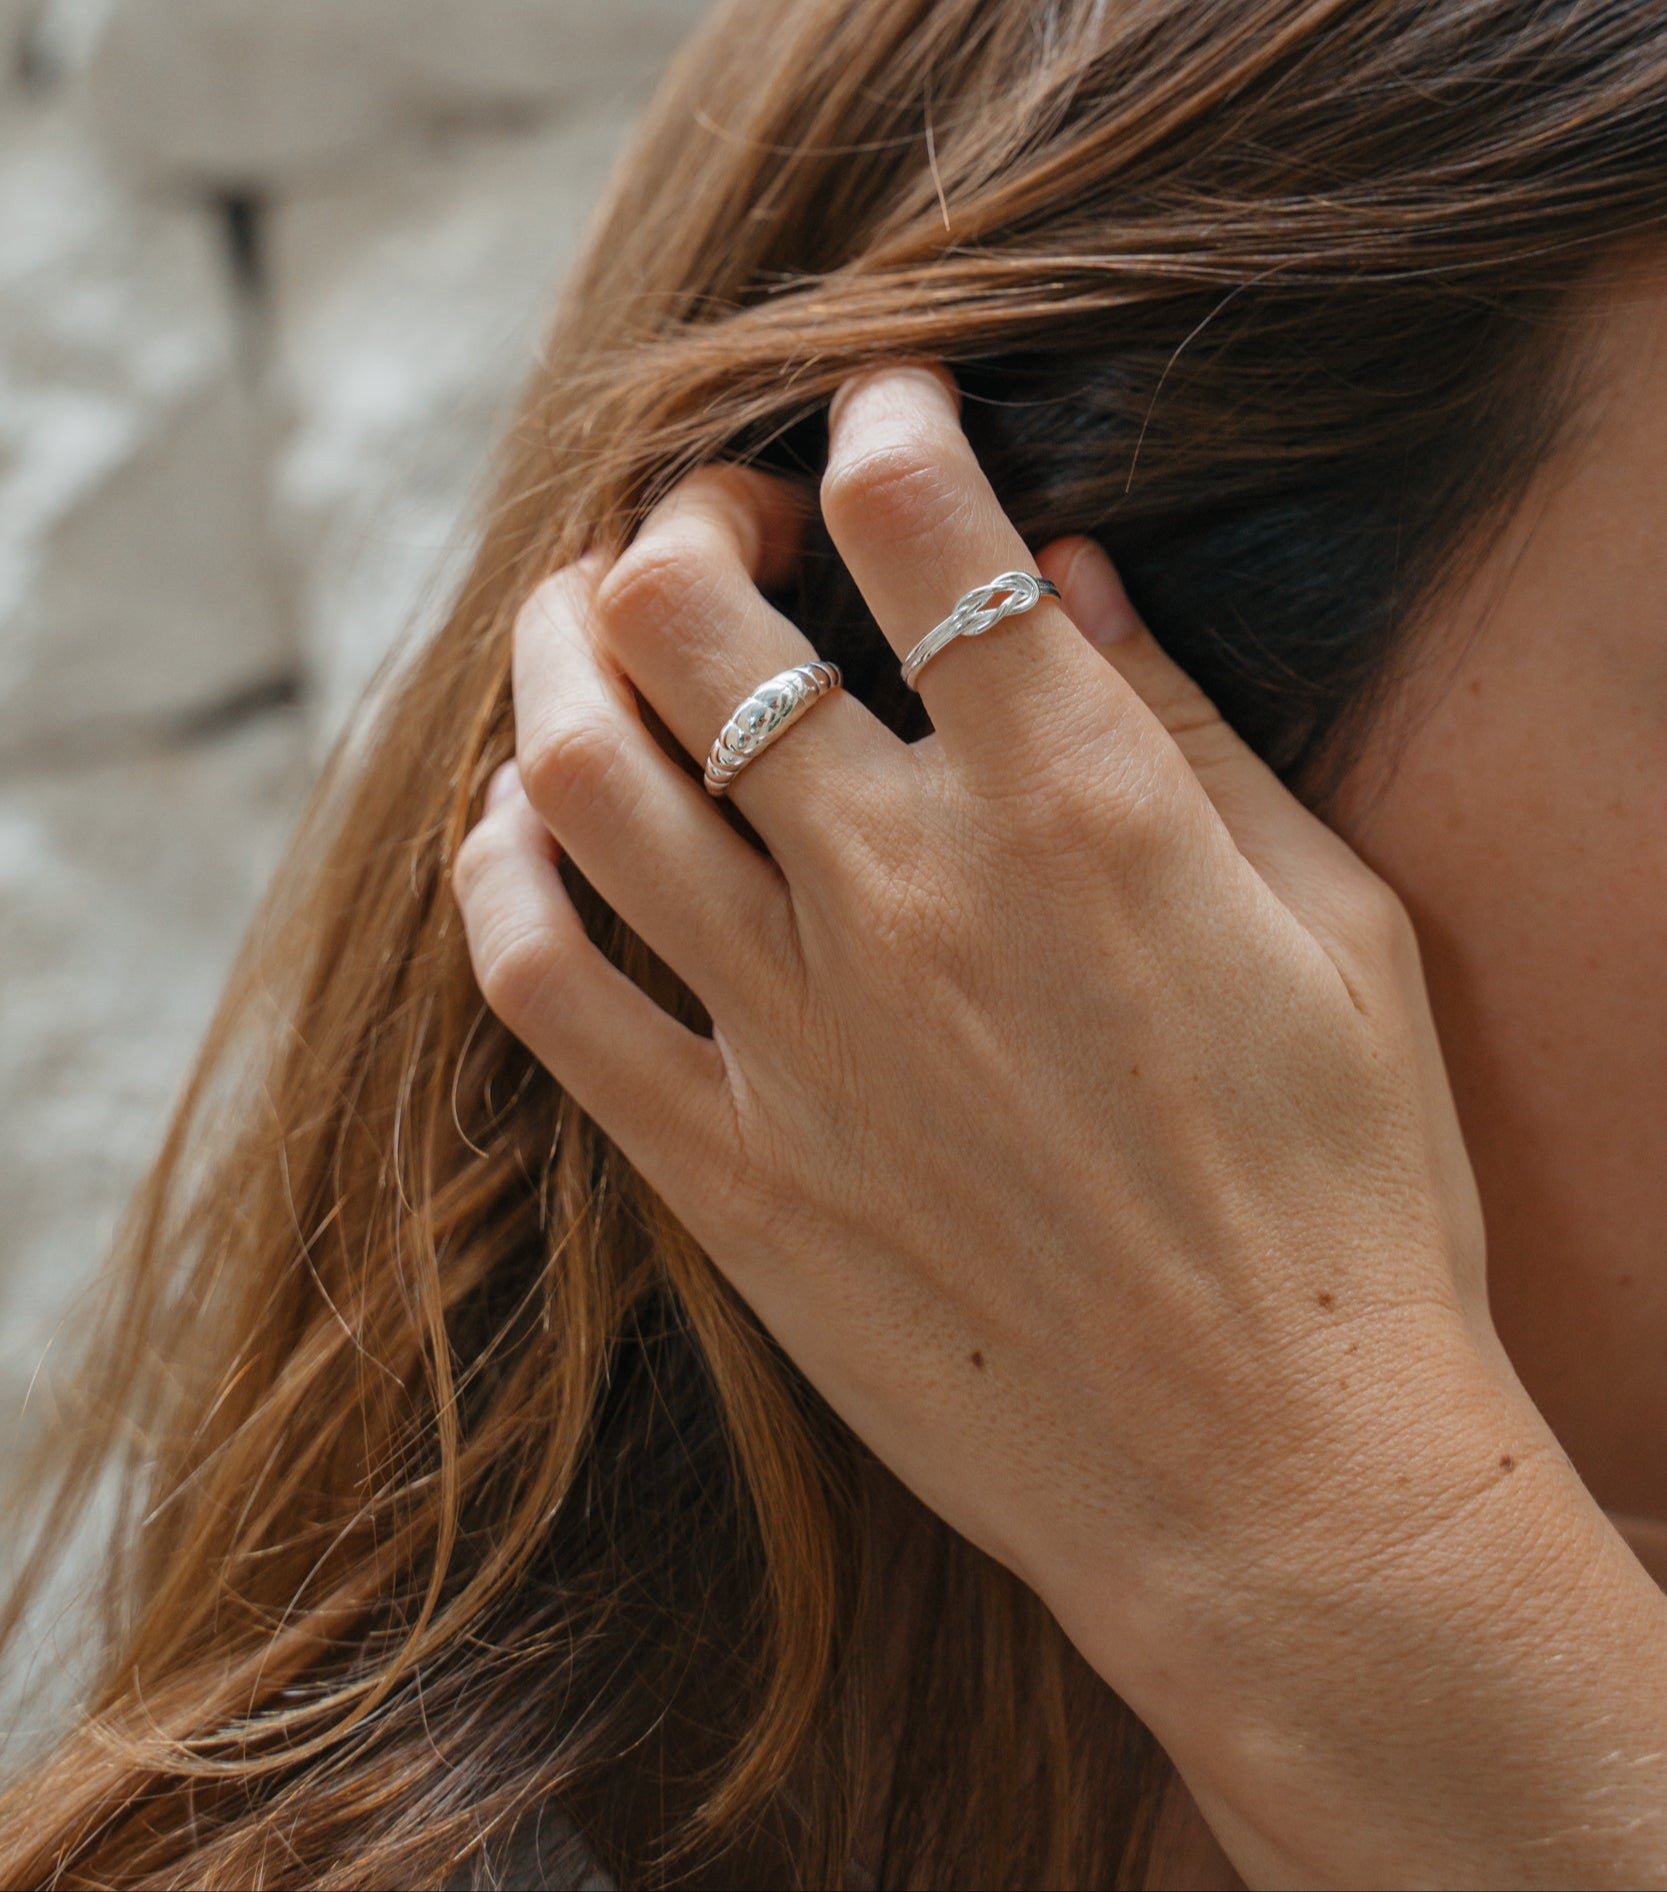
(271, 272)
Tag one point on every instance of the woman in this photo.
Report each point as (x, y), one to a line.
(980, 1304)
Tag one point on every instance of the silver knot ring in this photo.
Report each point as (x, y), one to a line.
(978, 612)
(765, 717)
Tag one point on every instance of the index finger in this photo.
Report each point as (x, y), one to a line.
(918, 524)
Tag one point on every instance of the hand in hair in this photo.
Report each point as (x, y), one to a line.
(1073, 1116)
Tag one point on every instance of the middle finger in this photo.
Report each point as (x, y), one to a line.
(917, 522)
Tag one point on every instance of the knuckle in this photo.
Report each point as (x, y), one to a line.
(570, 767)
(735, 490)
(469, 863)
(657, 585)
(561, 596)
(895, 491)
(1378, 922)
(519, 971)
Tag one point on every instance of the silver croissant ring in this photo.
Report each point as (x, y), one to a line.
(771, 710)
(978, 612)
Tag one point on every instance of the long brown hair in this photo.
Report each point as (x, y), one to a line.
(457, 1500)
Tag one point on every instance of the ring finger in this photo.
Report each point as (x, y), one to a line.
(641, 832)
(682, 615)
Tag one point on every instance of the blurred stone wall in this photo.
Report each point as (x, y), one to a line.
(271, 272)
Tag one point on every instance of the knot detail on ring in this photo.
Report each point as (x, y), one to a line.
(976, 613)
(772, 709)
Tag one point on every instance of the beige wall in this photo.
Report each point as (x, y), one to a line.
(225, 490)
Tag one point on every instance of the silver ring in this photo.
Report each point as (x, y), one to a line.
(765, 716)
(976, 613)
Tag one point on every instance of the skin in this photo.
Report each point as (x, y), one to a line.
(1516, 805)
(1513, 798)
(1115, 1127)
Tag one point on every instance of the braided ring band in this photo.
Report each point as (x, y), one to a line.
(766, 716)
(978, 612)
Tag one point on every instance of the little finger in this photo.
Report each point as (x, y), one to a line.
(1308, 867)
(658, 1089)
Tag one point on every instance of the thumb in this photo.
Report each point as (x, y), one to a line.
(1310, 869)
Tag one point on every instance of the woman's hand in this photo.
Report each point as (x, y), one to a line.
(1072, 1115)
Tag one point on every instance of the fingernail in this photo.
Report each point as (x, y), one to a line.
(505, 780)
(1096, 600)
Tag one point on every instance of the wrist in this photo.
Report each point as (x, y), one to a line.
(1444, 1668)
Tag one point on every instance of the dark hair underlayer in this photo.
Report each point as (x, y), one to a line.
(459, 1504)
